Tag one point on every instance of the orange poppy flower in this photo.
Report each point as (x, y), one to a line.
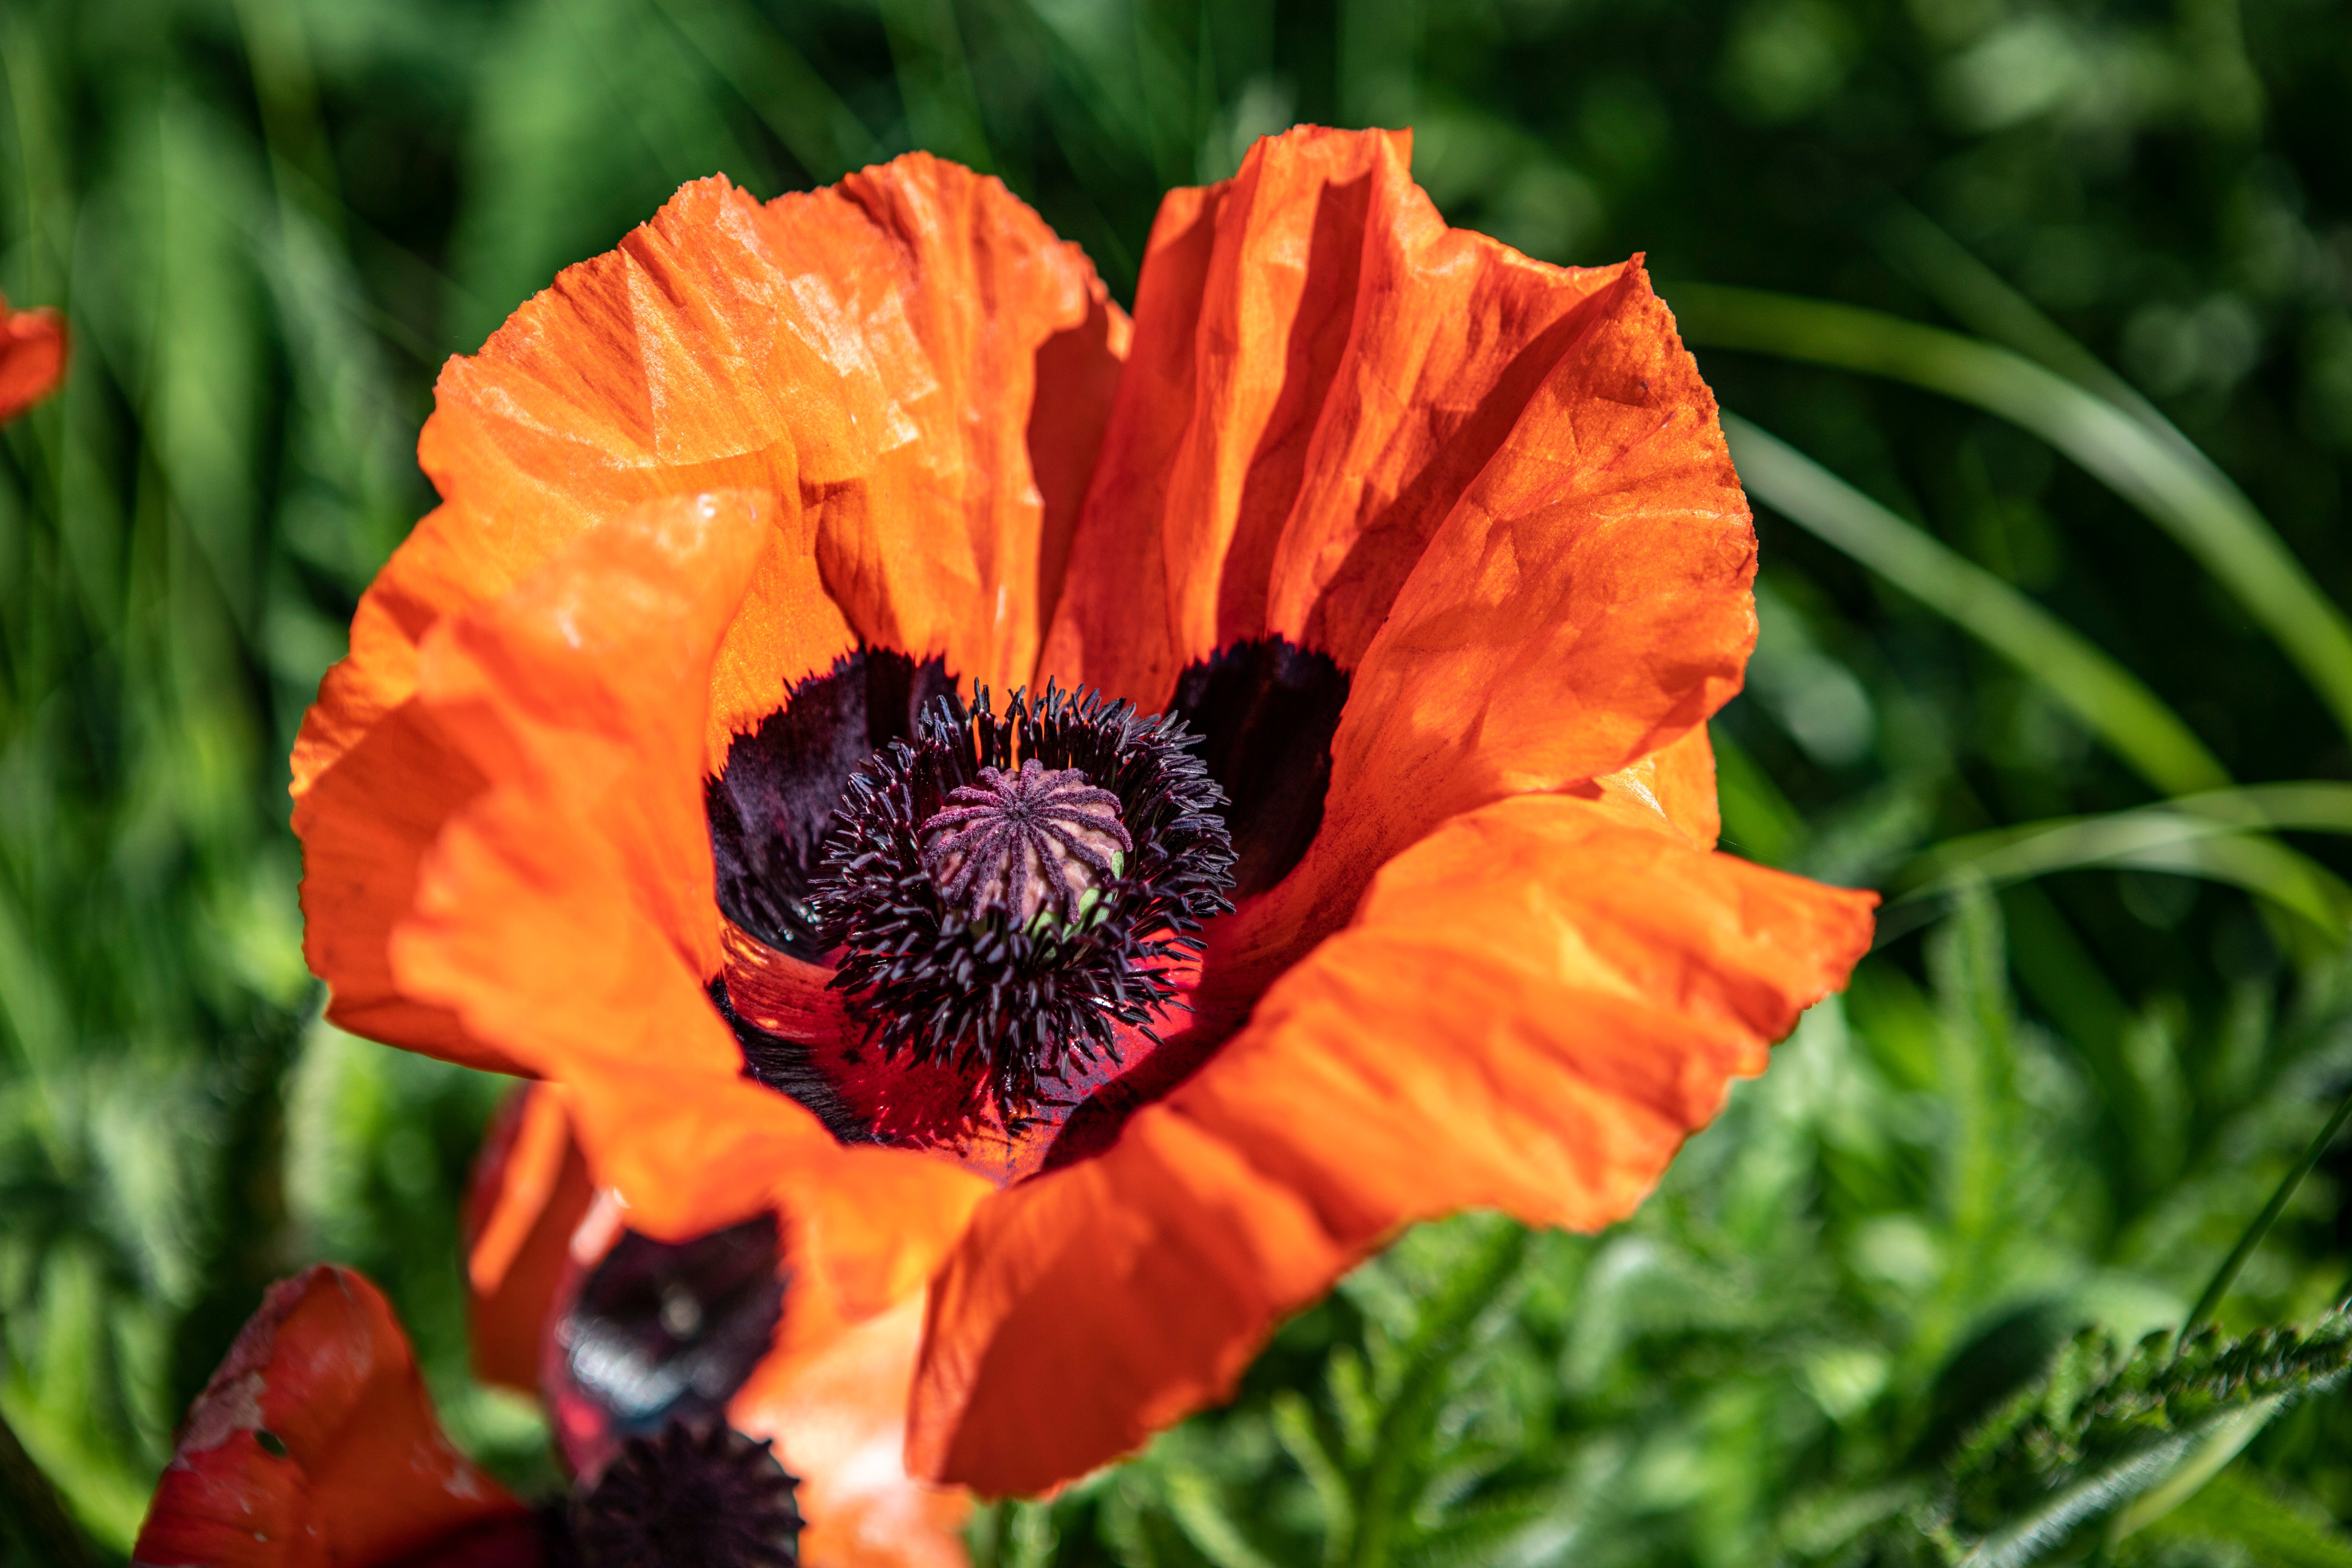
(1369, 592)
(32, 357)
(625, 1336)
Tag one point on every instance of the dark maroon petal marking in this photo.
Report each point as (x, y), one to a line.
(1266, 711)
(771, 808)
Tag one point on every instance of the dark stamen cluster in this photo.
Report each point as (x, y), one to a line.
(693, 1496)
(956, 971)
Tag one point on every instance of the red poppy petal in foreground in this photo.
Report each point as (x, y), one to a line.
(1540, 1043)
(315, 1445)
(910, 359)
(32, 357)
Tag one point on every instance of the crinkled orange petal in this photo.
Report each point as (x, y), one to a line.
(909, 362)
(838, 1414)
(529, 1191)
(1494, 491)
(364, 829)
(581, 691)
(1322, 373)
(1676, 783)
(32, 357)
(565, 913)
(315, 1445)
(1531, 1011)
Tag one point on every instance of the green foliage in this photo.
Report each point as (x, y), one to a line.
(2104, 1424)
(2054, 650)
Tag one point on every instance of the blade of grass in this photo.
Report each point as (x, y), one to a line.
(2227, 1439)
(1986, 303)
(2153, 842)
(2252, 1237)
(2034, 848)
(2027, 1540)
(2181, 492)
(2107, 698)
(2199, 835)
(822, 134)
(1759, 821)
(935, 83)
(1383, 1501)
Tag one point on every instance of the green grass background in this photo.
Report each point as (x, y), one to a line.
(2036, 317)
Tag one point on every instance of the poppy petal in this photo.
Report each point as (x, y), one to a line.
(835, 1402)
(365, 828)
(883, 355)
(1495, 491)
(1531, 1011)
(32, 357)
(315, 1445)
(583, 727)
(529, 1194)
(1675, 785)
(1321, 372)
(1584, 607)
(566, 913)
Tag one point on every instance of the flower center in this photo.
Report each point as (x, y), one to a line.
(1034, 841)
(989, 940)
(1005, 894)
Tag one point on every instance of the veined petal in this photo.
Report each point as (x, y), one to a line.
(881, 358)
(1531, 1011)
(1322, 371)
(1495, 491)
(315, 1445)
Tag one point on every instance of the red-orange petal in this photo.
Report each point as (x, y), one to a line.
(910, 362)
(529, 1194)
(1535, 1005)
(315, 1445)
(365, 828)
(1495, 490)
(32, 357)
(838, 1414)
(1322, 373)
(565, 914)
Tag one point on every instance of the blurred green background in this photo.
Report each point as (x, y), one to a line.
(2037, 318)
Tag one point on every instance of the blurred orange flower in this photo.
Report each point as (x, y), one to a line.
(32, 357)
(1348, 862)
(623, 1336)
